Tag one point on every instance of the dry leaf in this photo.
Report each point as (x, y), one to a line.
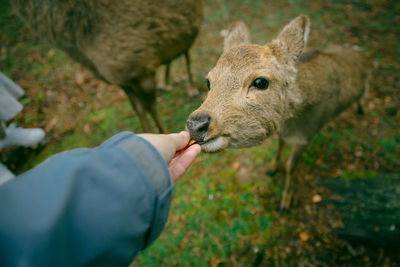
(86, 128)
(316, 198)
(235, 165)
(50, 125)
(80, 78)
(304, 236)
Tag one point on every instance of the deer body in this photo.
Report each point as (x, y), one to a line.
(327, 84)
(258, 90)
(122, 42)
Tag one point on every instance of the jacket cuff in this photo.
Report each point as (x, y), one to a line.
(156, 170)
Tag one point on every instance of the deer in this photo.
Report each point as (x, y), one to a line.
(121, 42)
(279, 88)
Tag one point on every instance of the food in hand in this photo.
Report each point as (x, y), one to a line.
(191, 142)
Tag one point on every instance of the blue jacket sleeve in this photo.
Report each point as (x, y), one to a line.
(86, 207)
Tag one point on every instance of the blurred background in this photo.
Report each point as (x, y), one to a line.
(224, 211)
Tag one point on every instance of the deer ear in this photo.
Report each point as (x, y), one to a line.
(237, 34)
(293, 38)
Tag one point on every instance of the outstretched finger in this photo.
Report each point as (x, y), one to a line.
(181, 163)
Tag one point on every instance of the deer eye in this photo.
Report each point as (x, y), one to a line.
(260, 83)
(208, 84)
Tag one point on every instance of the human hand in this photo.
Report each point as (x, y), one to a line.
(173, 148)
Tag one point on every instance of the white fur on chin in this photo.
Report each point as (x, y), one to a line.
(216, 144)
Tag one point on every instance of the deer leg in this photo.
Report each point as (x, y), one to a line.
(360, 110)
(290, 164)
(189, 68)
(164, 86)
(138, 106)
(167, 71)
(152, 109)
(366, 88)
(192, 90)
(148, 97)
(276, 165)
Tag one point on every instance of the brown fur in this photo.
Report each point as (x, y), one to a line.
(305, 91)
(122, 42)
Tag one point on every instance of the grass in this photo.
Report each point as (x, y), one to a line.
(211, 219)
(224, 208)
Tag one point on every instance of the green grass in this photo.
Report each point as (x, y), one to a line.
(212, 218)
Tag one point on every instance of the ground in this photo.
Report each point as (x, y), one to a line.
(224, 211)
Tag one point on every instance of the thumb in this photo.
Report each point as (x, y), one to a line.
(180, 140)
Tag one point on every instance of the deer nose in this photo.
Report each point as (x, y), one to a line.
(198, 126)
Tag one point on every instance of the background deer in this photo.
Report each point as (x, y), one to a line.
(122, 42)
(257, 90)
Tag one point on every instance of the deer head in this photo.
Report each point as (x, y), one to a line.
(252, 88)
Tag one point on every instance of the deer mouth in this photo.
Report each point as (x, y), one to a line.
(214, 144)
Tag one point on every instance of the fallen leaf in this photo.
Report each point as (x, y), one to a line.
(235, 165)
(224, 213)
(50, 125)
(316, 198)
(81, 77)
(86, 128)
(304, 236)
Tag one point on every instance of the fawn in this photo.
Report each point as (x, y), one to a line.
(257, 90)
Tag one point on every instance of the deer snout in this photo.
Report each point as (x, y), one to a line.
(198, 124)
